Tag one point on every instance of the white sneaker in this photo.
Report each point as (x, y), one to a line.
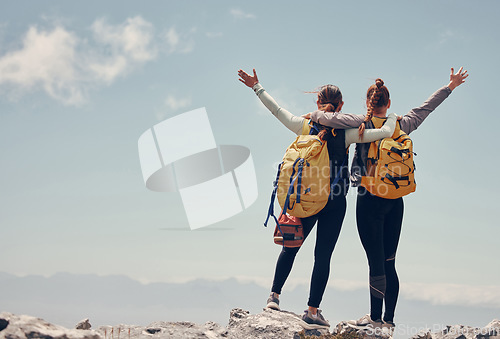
(366, 321)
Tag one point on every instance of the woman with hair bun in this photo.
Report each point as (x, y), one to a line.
(330, 218)
(379, 220)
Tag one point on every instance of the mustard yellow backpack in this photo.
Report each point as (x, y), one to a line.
(302, 184)
(390, 166)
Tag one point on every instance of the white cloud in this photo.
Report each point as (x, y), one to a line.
(65, 66)
(129, 44)
(177, 103)
(47, 59)
(453, 294)
(179, 43)
(132, 38)
(173, 104)
(109, 70)
(172, 38)
(239, 14)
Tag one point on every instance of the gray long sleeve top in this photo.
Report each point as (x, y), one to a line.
(410, 122)
(295, 123)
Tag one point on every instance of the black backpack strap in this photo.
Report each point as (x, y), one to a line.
(270, 211)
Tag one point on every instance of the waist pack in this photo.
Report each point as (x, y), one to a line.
(390, 166)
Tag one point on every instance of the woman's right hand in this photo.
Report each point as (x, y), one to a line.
(456, 79)
(247, 79)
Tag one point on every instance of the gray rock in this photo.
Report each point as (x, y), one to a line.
(268, 324)
(23, 326)
(490, 331)
(83, 325)
(242, 325)
(164, 329)
(346, 330)
(423, 335)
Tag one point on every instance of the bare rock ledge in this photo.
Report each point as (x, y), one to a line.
(242, 325)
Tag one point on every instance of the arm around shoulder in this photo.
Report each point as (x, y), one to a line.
(370, 135)
(337, 120)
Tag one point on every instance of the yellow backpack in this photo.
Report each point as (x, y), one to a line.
(303, 180)
(390, 166)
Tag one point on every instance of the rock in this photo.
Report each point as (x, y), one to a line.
(83, 325)
(242, 325)
(348, 331)
(423, 335)
(490, 331)
(267, 324)
(493, 329)
(23, 326)
(164, 329)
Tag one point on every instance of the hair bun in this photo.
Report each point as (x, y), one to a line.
(379, 82)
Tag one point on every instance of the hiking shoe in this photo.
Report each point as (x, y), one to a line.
(388, 324)
(311, 322)
(366, 321)
(273, 302)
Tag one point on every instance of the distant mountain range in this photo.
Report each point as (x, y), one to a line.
(65, 299)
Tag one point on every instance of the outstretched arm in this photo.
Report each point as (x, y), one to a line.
(387, 130)
(292, 122)
(337, 120)
(416, 116)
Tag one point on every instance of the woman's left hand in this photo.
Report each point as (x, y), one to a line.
(456, 79)
(247, 79)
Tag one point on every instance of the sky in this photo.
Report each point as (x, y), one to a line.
(81, 81)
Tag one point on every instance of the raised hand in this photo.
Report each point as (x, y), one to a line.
(456, 79)
(247, 79)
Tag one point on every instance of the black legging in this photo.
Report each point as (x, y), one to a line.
(379, 226)
(329, 220)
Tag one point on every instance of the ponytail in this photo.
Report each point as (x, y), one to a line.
(329, 98)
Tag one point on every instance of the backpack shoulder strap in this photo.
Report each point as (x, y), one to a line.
(306, 126)
(379, 122)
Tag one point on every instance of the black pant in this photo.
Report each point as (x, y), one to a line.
(329, 220)
(379, 223)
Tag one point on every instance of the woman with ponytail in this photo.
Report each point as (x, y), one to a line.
(379, 220)
(329, 219)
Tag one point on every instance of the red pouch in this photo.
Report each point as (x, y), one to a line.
(289, 232)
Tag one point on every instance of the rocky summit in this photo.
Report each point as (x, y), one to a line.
(23, 326)
(242, 325)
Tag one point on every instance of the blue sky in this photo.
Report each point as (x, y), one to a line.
(81, 81)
